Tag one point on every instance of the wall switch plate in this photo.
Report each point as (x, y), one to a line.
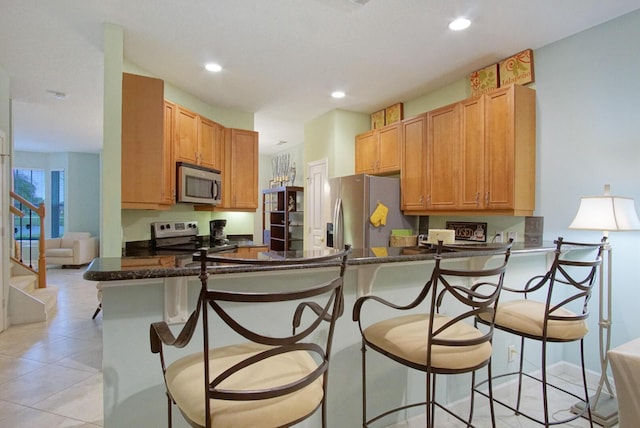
(498, 237)
(513, 236)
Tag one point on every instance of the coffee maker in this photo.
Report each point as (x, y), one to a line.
(216, 232)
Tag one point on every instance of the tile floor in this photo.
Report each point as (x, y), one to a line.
(51, 372)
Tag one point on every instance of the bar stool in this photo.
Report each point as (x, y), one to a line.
(278, 375)
(557, 314)
(430, 342)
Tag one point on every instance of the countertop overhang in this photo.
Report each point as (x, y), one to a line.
(132, 268)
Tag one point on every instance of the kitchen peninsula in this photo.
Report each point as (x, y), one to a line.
(136, 294)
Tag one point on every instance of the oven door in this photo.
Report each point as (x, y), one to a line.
(198, 185)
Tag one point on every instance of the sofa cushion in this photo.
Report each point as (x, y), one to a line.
(59, 252)
(69, 237)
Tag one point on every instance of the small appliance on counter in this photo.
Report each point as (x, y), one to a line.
(216, 232)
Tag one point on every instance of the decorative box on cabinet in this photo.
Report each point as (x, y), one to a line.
(283, 218)
(147, 158)
(378, 151)
(480, 157)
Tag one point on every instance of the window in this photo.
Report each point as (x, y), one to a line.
(29, 184)
(57, 203)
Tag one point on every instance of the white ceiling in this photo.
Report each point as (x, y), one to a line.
(281, 58)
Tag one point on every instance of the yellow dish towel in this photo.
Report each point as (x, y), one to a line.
(379, 216)
(379, 251)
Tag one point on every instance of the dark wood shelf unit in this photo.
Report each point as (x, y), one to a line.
(283, 218)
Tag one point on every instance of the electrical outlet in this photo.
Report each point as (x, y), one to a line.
(513, 236)
(511, 353)
(498, 237)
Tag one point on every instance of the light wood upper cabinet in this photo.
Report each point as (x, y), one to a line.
(146, 145)
(186, 129)
(211, 142)
(366, 147)
(199, 140)
(472, 154)
(443, 154)
(510, 149)
(413, 172)
(169, 163)
(379, 151)
(240, 173)
(480, 156)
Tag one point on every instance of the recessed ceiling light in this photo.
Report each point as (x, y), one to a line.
(459, 24)
(338, 94)
(213, 67)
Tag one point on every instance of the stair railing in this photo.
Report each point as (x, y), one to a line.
(24, 205)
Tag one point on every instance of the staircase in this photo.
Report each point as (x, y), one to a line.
(27, 302)
(30, 299)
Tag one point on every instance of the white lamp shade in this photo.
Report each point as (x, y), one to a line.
(606, 213)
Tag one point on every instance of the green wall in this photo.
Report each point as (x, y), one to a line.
(331, 136)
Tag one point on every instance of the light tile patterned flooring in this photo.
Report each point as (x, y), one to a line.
(51, 372)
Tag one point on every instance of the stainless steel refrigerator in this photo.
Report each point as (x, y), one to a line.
(353, 199)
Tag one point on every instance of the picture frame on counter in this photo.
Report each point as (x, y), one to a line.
(468, 231)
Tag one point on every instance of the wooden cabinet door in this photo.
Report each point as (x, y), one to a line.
(389, 149)
(443, 155)
(366, 148)
(186, 125)
(499, 147)
(510, 149)
(210, 143)
(472, 154)
(241, 173)
(414, 163)
(144, 159)
(169, 179)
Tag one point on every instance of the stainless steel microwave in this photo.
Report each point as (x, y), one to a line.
(198, 185)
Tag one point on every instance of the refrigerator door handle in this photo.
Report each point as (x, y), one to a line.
(337, 224)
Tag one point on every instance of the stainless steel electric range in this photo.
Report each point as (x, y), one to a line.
(182, 237)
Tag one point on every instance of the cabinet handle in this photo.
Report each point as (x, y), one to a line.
(421, 199)
(428, 200)
(477, 198)
(486, 199)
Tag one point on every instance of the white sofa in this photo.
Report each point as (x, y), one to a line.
(73, 249)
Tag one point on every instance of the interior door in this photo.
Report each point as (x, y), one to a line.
(317, 203)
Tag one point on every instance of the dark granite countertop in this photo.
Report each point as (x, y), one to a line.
(164, 266)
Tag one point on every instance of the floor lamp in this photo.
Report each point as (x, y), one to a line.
(605, 213)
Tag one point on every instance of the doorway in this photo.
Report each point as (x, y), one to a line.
(317, 205)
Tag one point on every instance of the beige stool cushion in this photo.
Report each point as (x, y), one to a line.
(527, 316)
(406, 337)
(185, 382)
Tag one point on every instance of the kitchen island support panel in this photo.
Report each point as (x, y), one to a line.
(133, 390)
